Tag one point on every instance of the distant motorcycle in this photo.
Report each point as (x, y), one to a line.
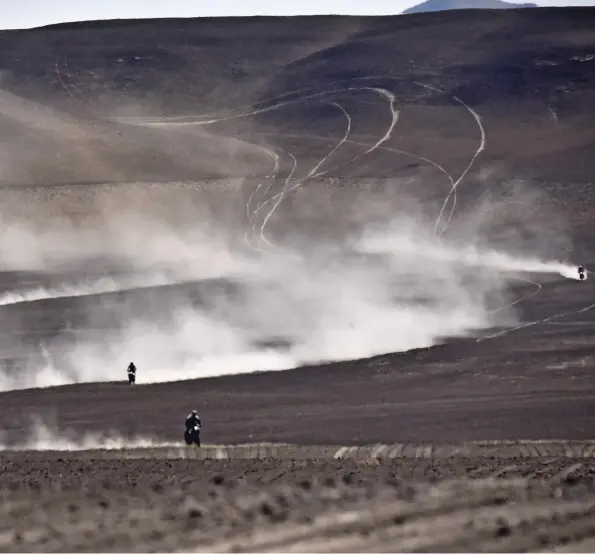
(192, 435)
(581, 273)
(131, 378)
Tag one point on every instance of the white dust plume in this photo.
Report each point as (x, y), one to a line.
(395, 243)
(42, 436)
(354, 279)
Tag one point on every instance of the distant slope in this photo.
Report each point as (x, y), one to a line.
(71, 90)
(440, 5)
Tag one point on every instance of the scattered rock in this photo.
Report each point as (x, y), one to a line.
(349, 478)
(502, 528)
(218, 480)
(329, 482)
(305, 484)
(192, 509)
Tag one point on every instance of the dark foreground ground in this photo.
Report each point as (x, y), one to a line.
(54, 502)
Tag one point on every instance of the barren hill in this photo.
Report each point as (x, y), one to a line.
(440, 5)
(528, 73)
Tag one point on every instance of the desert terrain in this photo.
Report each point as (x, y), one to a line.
(350, 243)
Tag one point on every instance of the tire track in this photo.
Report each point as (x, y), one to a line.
(275, 157)
(387, 135)
(428, 161)
(537, 322)
(279, 197)
(538, 287)
(278, 106)
(454, 184)
(272, 175)
(179, 121)
(282, 195)
(166, 121)
(283, 192)
(481, 148)
(312, 173)
(63, 84)
(301, 98)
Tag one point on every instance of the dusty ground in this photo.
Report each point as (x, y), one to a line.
(70, 94)
(311, 505)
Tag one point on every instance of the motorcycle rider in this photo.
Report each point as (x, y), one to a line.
(192, 420)
(131, 373)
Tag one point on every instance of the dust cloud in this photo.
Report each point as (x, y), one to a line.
(383, 288)
(173, 277)
(45, 436)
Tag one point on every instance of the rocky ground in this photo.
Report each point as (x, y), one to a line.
(56, 502)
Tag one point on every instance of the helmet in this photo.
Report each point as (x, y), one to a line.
(194, 412)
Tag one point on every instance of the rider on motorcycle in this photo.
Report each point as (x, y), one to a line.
(131, 369)
(192, 420)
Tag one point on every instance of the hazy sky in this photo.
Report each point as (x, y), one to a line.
(20, 14)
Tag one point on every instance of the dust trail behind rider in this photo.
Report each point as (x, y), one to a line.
(131, 373)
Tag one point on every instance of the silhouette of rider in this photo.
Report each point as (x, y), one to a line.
(192, 420)
(131, 371)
